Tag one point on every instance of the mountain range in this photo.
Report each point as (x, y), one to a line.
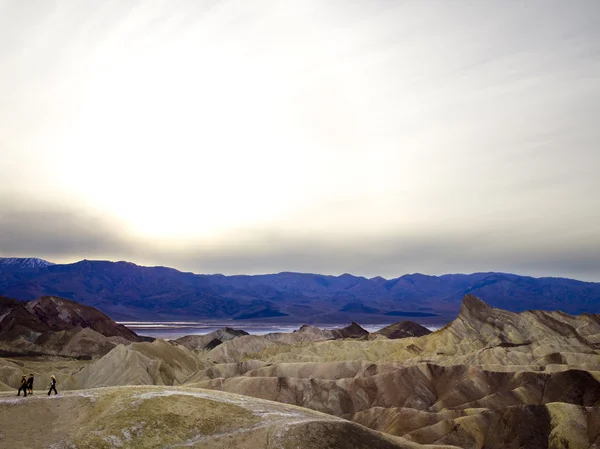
(126, 291)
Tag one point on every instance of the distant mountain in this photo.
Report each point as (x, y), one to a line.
(20, 263)
(126, 291)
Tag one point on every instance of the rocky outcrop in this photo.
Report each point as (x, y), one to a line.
(480, 335)
(477, 322)
(351, 331)
(305, 333)
(55, 326)
(16, 320)
(486, 372)
(61, 314)
(403, 329)
(211, 340)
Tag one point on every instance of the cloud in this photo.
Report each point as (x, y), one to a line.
(66, 234)
(57, 230)
(373, 137)
(396, 254)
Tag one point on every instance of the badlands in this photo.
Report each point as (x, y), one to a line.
(488, 379)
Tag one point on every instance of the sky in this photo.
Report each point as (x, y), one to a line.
(371, 137)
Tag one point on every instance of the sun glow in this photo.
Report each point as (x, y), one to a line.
(185, 139)
(192, 124)
(199, 132)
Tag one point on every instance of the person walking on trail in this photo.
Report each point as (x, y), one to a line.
(23, 386)
(30, 384)
(52, 385)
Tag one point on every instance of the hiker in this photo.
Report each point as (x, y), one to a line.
(23, 386)
(52, 385)
(30, 384)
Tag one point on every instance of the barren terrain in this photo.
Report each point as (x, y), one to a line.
(489, 379)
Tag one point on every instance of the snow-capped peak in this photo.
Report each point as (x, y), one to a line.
(23, 262)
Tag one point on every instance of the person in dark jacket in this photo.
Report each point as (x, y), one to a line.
(23, 386)
(30, 384)
(52, 385)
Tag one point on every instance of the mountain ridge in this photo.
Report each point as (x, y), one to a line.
(23, 262)
(126, 291)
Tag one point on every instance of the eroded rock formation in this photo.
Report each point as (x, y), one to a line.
(489, 379)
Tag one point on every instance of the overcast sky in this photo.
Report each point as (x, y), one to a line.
(371, 137)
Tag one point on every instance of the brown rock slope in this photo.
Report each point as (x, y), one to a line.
(403, 329)
(154, 417)
(56, 326)
(485, 380)
(16, 320)
(61, 314)
(354, 330)
(210, 340)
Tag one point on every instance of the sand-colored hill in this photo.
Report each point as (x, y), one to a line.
(236, 349)
(306, 333)
(42, 368)
(10, 375)
(553, 425)
(423, 387)
(480, 335)
(228, 345)
(155, 417)
(156, 363)
(486, 371)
